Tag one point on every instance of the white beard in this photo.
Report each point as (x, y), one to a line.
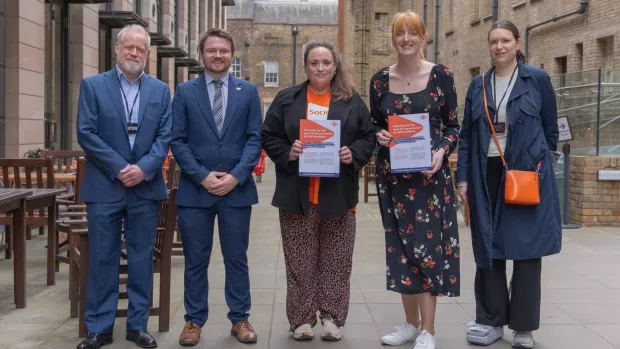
(131, 67)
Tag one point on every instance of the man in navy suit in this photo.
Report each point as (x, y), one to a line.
(124, 127)
(216, 132)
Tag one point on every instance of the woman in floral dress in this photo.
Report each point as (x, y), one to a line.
(418, 208)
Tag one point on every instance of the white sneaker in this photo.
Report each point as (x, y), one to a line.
(425, 341)
(404, 333)
(523, 340)
(303, 332)
(483, 334)
(331, 332)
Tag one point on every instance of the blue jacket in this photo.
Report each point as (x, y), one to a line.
(199, 149)
(515, 232)
(102, 134)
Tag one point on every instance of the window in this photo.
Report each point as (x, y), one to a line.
(474, 72)
(235, 67)
(579, 56)
(266, 106)
(271, 73)
(382, 33)
(608, 55)
(303, 53)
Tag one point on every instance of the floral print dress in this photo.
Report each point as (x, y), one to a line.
(418, 212)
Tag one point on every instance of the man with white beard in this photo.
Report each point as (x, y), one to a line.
(124, 127)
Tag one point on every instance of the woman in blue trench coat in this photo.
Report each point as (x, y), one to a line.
(522, 106)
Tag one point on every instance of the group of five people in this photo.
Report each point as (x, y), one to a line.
(214, 126)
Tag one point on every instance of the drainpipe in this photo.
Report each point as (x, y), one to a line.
(495, 11)
(436, 41)
(583, 8)
(425, 15)
(295, 31)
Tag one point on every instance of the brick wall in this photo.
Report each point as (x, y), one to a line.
(463, 37)
(258, 42)
(593, 202)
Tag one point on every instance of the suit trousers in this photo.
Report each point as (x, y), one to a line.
(105, 221)
(496, 304)
(196, 225)
(318, 254)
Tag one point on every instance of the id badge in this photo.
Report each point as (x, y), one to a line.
(132, 128)
(500, 127)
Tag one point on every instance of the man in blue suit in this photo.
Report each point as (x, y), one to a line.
(216, 132)
(124, 127)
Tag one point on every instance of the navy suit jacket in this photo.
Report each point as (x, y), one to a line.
(199, 149)
(102, 134)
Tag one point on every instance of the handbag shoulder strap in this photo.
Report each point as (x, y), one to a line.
(486, 110)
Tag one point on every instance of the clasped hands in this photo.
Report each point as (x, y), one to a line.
(131, 175)
(384, 138)
(219, 183)
(346, 157)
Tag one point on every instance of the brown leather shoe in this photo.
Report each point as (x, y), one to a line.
(190, 335)
(244, 332)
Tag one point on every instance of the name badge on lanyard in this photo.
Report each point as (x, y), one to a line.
(132, 127)
(500, 127)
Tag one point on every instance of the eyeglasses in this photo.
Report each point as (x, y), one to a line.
(140, 50)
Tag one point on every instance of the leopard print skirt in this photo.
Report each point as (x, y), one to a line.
(318, 254)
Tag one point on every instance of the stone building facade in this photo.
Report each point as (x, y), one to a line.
(576, 43)
(48, 46)
(265, 51)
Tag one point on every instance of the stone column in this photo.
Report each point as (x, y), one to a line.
(84, 56)
(24, 80)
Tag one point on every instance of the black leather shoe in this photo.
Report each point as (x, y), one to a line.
(142, 338)
(95, 341)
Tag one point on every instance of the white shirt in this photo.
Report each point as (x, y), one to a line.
(502, 115)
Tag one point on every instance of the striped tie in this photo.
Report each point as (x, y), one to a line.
(218, 109)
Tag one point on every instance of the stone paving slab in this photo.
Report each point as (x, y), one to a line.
(581, 294)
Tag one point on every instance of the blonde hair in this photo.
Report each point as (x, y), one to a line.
(342, 86)
(408, 19)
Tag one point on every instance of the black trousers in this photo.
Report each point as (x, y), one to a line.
(496, 305)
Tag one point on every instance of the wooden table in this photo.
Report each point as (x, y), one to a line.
(30, 200)
(13, 201)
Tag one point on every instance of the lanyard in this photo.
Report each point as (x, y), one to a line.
(505, 91)
(125, 99)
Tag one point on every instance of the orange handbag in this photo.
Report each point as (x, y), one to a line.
(520, 187)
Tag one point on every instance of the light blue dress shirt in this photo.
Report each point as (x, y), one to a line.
(211, 90)
(131, 90)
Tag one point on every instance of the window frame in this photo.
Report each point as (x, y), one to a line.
(235, 67)
(268, 68)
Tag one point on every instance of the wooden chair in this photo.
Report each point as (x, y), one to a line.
(464, 206)
(37, 173)
(65, 161)
(74, 215)
(172, 181)
(370, 175)
(162, 264)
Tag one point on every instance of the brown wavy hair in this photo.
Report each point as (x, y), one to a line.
(343, 87)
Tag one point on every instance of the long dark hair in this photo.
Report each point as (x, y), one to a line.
(343, 87)
(508, 25)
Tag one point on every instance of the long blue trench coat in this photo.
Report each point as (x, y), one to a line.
(515, 232)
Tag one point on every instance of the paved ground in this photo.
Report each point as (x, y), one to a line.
(581, 294)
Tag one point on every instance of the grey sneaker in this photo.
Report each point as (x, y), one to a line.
(523, 340)
(483, 334)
